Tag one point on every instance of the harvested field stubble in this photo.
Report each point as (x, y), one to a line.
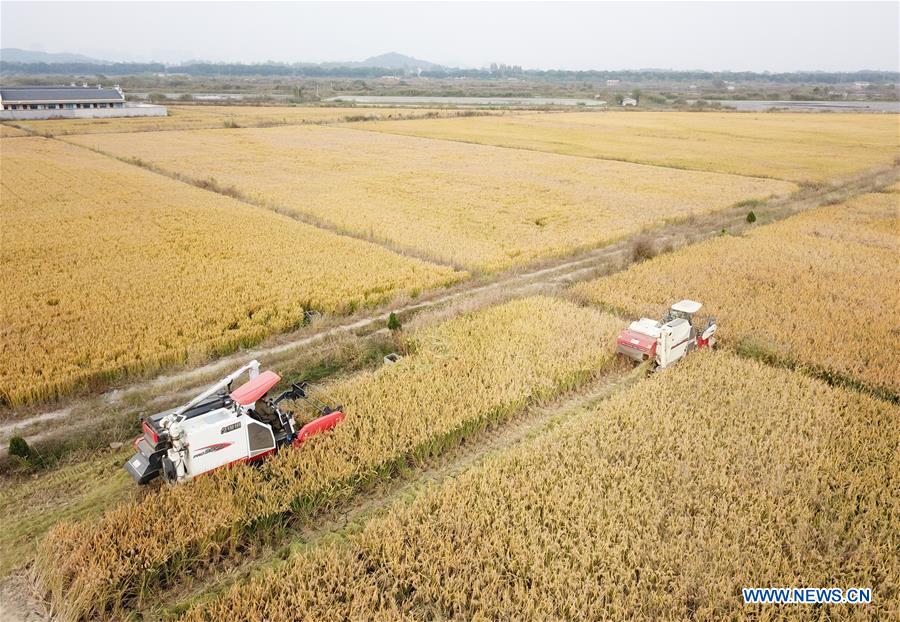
(108, 270)
(658, 504)
(478, 207)
(186, 117)
(8, 131)
(461, 377)
(820, 289)
(795, 146)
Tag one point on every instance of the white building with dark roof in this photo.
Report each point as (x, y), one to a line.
(60, 97)
(48, 102)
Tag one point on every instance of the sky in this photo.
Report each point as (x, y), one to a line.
(715, 36)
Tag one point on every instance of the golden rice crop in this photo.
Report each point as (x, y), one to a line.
(820, 289)
(463, 375)
(479, 207)
(329, 583)
(795, 146)
(203, 116)
(660, 503)
(108, 269)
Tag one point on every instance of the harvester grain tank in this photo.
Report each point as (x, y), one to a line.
(666, 341)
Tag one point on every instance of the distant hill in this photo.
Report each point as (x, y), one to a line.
(15, 55)
(393, 60)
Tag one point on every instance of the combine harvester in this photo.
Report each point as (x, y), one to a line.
(220, 427)
(666, 341)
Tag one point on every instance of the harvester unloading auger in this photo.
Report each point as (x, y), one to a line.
(667, 341)
(221, 427)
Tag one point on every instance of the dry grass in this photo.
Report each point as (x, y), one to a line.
(795, 146)
(820, 289)
(8, 131)
(460, 377)
(108, 270)
(479, 207)
(660, 503)
(203, 116)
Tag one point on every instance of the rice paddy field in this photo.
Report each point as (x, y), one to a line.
(114, 270)
(186, 117)
(791, 146)
(509, 466)
(475, 207)
(659, 504)
(401, 414)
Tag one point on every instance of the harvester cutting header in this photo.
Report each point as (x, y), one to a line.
(668, 340)
(221, 427)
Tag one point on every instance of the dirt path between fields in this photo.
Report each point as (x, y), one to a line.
(549, 277)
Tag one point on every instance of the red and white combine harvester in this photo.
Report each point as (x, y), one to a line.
(221, 427)
(666, 341)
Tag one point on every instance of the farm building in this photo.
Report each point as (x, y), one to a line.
(44, 102)
(60, 97)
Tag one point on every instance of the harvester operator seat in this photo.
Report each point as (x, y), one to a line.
(264, 412)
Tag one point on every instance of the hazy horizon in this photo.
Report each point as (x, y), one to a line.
(735, 36)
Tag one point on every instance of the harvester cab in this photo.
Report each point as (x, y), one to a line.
(220, 427)
(667, 341)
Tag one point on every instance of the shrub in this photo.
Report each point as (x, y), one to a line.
(393, 323)
(643, 248)
(19, 447)
(751, 217)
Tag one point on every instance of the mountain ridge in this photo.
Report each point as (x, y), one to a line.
(388, 60)
(18, 55)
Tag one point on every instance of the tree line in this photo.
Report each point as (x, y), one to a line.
(301, 70)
